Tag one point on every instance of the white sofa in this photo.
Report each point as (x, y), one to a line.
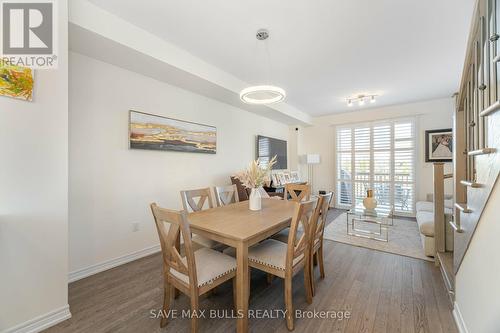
(425, 221)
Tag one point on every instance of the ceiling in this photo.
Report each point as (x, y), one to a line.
(321, 51)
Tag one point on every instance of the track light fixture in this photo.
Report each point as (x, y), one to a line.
(361, 99)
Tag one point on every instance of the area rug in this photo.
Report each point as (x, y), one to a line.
(404, 238)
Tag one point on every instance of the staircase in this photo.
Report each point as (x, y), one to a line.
(478, 104)
(476, 136)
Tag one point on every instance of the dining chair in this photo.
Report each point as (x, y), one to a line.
(194, 274)
(285, 260)
(316, 230)
(226, 195)
(297, 192)
(196, 200)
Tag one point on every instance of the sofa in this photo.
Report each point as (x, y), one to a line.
(425, 221)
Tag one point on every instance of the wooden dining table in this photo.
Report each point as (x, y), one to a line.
(237, 226)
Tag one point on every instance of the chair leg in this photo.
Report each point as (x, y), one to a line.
(269, 278)
(167, 300)
(311, 274)
(288, 303)
(308, 281)
(234, 295)
(249, 281)
(320, 261)
(194, 313)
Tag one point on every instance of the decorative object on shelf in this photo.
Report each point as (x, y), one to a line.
(294, 176)
(311, 160)
(263, 94)
(254, 177)
(16, 81)
(275, 179)
(439, 145)
(282, 179)
(361, 99)
(370, 202)
(148, 131)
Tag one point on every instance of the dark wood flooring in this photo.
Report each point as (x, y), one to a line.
(383, 293)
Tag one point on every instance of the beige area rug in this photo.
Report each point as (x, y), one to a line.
(404, 238)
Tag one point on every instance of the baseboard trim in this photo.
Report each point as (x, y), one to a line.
(459, 320)
(108, 264)
(42, 322)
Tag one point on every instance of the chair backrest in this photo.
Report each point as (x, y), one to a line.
(299, 246)
(298, 192)
(242, 191)
(318, 220)
(189, 199)
(171, 223)
(225, 195)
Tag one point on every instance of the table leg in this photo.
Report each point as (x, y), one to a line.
(242, 287)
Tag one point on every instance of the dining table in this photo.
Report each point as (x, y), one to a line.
(237, 226)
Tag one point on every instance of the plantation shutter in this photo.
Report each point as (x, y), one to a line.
(378, 156)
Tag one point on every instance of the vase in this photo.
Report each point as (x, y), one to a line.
(370, 202)
(255, 202)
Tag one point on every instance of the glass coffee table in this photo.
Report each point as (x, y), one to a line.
(361, 220)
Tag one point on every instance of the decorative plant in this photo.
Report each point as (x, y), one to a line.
(256, 174)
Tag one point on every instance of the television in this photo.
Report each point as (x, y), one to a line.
(268, 147)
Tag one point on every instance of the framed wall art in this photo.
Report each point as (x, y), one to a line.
(153, 132)
(439, 145)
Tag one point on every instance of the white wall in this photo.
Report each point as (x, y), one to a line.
(111, 186)
(33, 195)
(477, 281)
(320, 138)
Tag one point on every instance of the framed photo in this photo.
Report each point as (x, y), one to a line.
(153, 132)
(281, 177)
(275, 180)
(439, 145)
(294, 176)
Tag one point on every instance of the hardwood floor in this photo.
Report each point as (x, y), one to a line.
(383, 292)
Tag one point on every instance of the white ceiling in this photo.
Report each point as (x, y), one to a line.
(321, 51)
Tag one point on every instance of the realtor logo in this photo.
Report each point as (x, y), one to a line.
(28, 33)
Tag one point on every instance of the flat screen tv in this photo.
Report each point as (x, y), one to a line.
(268, 147)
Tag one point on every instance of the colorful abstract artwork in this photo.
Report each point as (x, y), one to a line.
(148, 131)
(16, 82)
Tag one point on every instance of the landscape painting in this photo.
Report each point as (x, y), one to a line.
(152, 132)
(16, 81)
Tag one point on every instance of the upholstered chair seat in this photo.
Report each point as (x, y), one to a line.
(271, 253)
(210, 265)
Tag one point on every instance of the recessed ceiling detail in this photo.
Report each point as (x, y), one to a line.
(412, 49)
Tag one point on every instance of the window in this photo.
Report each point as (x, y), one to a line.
(378, 156)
